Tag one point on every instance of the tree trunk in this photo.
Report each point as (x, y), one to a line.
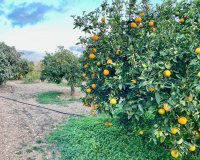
(72, 90)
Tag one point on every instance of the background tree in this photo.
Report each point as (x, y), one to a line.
(9, 62)
(25, 67)
(60, 65)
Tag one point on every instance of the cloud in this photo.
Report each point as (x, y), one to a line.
(25, 14)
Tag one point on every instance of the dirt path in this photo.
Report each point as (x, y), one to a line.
(21, 125)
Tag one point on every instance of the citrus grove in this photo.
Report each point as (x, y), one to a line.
(142, 63)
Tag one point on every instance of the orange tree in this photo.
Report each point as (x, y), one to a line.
(9, 62)
(144, 62)
(63, 64)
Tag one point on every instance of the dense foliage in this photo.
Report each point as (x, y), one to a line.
(62, 65)
(9, 62)
(144, 63)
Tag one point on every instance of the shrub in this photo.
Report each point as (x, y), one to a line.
(145, 63)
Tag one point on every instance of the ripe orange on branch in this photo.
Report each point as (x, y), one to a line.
(103, 20)
(113, 101)
(95, 37)
(106, 72)
(138, 20)
(94, 86)
(182, 20)
(92, 56)
(109, 61)
(117, 52)
(174, 153)
(182, 120)
(167, 73)
(133, 25)
(151, 23)
(197, 50)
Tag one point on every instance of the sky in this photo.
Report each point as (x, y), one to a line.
(36, 26)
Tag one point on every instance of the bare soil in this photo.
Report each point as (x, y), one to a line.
(21, 126)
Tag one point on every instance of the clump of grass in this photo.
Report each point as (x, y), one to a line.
(53, 97)
(89, 138)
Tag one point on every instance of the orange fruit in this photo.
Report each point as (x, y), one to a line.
(182, 120)
(192, 148)
(141, 132)
(138, 19)
(151, 89)
(197, 50)
(167, 73)
(142, 14)
(94, 86)
(95, 37)
(109, 61)
(182, 20)
(190, 99)
(198, 74)
(174, 153)
(98, 63)
(166, 107)
(151, 23)
(174, 131)
(84, 75)
(153, 29)
(133, 25)
(113, 101)
(106, 72)
(117, 52)
(161, 111)
(88, 90)
(103, 20)
(92, 56)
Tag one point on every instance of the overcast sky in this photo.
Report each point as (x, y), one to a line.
(42, 25)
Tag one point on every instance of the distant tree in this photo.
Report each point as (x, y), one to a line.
(60, 65)
(25, 67)
(9, 62)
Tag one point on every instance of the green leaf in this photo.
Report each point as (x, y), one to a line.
(157, 96)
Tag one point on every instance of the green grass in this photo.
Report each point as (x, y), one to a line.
(52, 97)
(90, 139)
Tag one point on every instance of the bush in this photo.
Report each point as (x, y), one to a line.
(9, 62)
(144, 63)
(62, 65)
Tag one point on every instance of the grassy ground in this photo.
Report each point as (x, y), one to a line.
(90, 139)
(53, 97)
